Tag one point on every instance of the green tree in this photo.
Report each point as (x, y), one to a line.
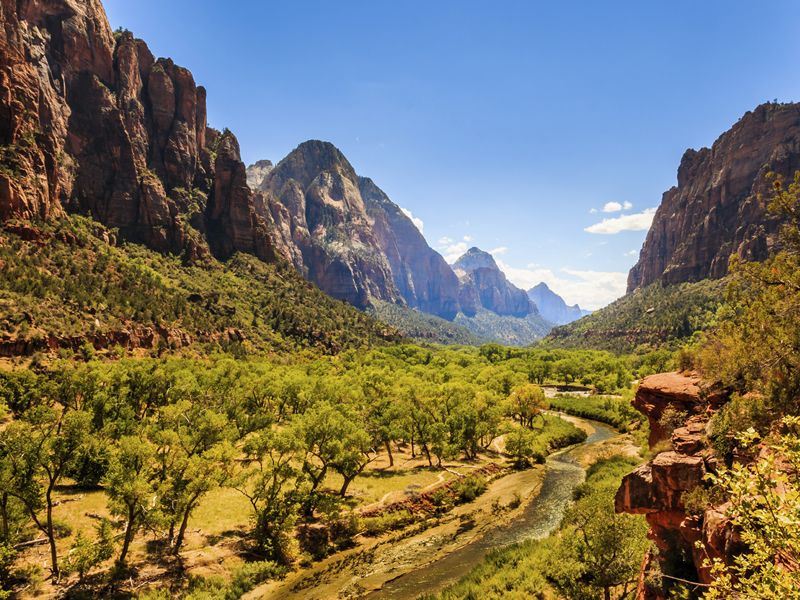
(272, 484)
(523, 446)
(526, 403)
(764, 504)
(599, 551)
(194, 455)
(133, 488)
(38, 452)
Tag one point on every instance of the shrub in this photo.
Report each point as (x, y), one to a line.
(86, 554)
(468, 488)
(374, 526)
(250, 575)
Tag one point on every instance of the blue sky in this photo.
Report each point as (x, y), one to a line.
(502, 124)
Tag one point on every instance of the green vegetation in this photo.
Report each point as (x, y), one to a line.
(149, 440)
(422, 327)
(595, 553)
(616, 412)
(656, 317)
(765, 506)
(83, 289)
(513, 331)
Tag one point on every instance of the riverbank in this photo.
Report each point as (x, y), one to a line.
(429, 556)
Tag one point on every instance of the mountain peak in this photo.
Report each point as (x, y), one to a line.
(474, 259)
(311, 158)
(552, 306)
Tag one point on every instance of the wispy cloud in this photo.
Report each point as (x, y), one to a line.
(452, 250)
(416, 220)
(590, 289)
(499, 251)
(635, 222)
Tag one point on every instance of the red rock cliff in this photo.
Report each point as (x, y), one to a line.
(91, 122)
(715, 210)
(657, 489)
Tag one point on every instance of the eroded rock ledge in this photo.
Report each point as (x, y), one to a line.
(686, 541)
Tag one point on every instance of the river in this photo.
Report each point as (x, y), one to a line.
(539, 519)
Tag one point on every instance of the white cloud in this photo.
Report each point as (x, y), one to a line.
(416, 220)
(632, 253)
(590, 289)
(444, 241)
(635, 222)
(452, 251)
(467, 238)
(592, 211)
(612, 207)
(500, 250)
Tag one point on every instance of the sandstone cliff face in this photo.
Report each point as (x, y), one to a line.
(483, 284)
(657, 489)
(91, 122)
(715, 210)
(322, 225)
(420, 274)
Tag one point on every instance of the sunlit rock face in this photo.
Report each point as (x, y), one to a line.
(483, 284)
(657, 489)
(91, 122)
(422, 277)
(322, 225)
(719, 207)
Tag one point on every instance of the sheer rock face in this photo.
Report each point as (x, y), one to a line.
(420, 274)
(322, 225)
(483, 284)
(90, 121)
(658, 488)
(718, 208)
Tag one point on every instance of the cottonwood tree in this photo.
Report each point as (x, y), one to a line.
(526, 403)
(132, 486)
(194, 455)
(272, 484)
(38, 451)
(599, 552)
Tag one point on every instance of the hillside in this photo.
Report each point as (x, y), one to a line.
(653, 317)
(424, 328)
(85, 293)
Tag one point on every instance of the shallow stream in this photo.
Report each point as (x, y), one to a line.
(540, 519)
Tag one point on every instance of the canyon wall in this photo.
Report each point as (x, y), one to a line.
(92, 122)
(719, 207)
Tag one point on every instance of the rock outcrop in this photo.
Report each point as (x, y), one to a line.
(484, 285)
(719, 207)
(92, 122)
(686, 539)
(552, 306)
(422, 277)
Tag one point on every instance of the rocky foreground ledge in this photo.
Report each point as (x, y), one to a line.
(657, 489)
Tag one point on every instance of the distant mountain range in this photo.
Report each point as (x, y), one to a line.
(552, 306)
(343, 233)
